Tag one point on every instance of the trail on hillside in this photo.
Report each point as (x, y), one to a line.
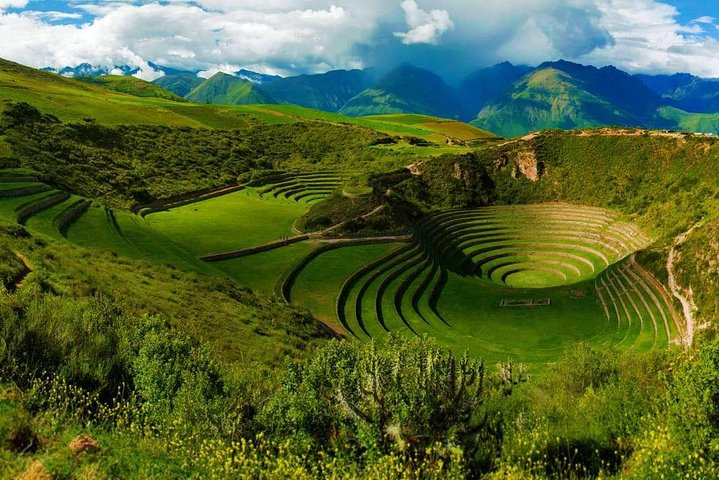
(683, 295)
(19, 280)
(301, 237)
(335, 227)
(605, 132)
(320, 233)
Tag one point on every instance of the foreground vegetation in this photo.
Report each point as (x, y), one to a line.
(91, 389)
(131, 355)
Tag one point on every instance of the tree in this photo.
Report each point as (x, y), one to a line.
(402, 394)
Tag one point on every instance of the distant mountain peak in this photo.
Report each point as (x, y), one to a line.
(324, 91)
(406, 89)
(223, 88)
(180, 84)
(255, 77)
(171, 70)
(89, 70)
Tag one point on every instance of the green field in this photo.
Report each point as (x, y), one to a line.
(131, 86)
(502, 282)
(262, 271)
(230, 222)
(523, 281)
(422, 126)
(319, 284)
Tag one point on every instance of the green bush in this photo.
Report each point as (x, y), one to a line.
(403, 396)
(175, 378)
(82, 342)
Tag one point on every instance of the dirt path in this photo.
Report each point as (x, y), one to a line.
(607, 132)
(327, 230)
(399, 238)
(302, 237)
(683, 295)
(320, 233)
(19, 281)
(415, 168)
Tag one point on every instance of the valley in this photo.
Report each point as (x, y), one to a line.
(214, 287)
(450, 278)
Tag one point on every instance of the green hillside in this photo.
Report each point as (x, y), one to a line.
(328, 91)
(665, 181)
(451, 129)
(484, 85)
(72, 100)
(676, 119)
(549, 98)
(130, 165)
(226, 89)
(433, 129)
(180, 84)
(406, 89)
(131, 86)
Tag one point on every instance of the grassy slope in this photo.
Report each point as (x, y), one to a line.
(211, 309)
(222, 88)
(674, 118)
(261, 270)
(132, 237)
(131, 86)
(73, 100)
(697, 268)
(423, 126)
(238, 220)
(440, 126)
(179, 84)
(319, 284)
(202, 306)
(548, 98)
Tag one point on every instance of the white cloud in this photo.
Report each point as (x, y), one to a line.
(300, 36)
(52, 16)
(229, 69)
(12, 4)
(648, 38)
(425, 27)
(705, 20)
(186, 36)
(148, 74)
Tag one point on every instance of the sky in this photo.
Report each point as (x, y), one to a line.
(287, 37)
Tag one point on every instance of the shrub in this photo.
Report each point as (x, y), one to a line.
(405, 395)
(175, 377)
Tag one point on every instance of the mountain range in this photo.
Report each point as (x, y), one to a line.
(507, 99)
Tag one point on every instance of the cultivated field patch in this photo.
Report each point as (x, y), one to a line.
(238, 220)
(517, 281)
(521, 281)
